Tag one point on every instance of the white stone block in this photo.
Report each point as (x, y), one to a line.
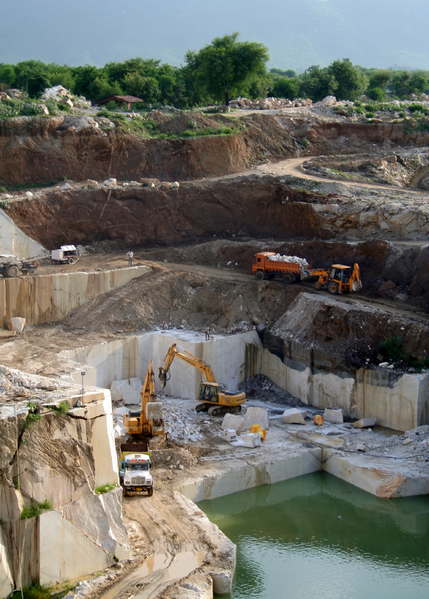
(294, 416)
(234, 421)
(16, 324)
(364, 423)
(222, 582)
(119, 430)
(252, 440)
(333, 415)
(132, 396)
(154, 410)
(118, 388)
(257, 416)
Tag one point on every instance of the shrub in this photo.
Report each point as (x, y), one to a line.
(376, 94)
(104, 113)
(30, 511)
(151, 126)
(36, 591)
(369, 115)
(418, 108)
(391, 348)
(62, 409)
(104, 489)
(111, 105)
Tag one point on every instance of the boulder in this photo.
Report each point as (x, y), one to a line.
(150, 182)
(293, 416)
(391, 159)
(329, 101)
(16, 324)
(387, 286)
(256, 416)
(118, 388)
(251, 440)
(364, 423)
(234, 421)
(111, 182)
(333, 415)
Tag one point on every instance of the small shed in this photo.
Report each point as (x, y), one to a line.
(128, 100)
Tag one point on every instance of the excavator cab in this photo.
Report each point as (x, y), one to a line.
(209, 393)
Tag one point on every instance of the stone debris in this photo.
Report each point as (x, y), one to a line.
(110, 182)
(333, 415)
(60, 94)
(268, 103)
(251, 440)
(293, 416)
(290, 259)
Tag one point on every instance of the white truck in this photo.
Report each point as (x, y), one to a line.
(134, 468)
(66, 253)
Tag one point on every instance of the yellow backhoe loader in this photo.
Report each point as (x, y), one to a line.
(149, 421)
(213, 397)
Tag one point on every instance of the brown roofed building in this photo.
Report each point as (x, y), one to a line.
(128, 100)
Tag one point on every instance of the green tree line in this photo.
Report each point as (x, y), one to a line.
(224, 69)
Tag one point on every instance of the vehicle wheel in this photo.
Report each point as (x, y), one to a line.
(213, 411)
(12, 271)
(124, 492)
(259, 275)
(333, 288)
(150, 492)
(317, 285)
(200, 407)
(32, 272)
(71, 260)
(287, 278)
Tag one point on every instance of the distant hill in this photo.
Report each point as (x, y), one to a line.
(298, 33)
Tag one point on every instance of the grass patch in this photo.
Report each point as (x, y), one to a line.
(11, 187)
(104, 489)
(33, 414)
(31, 511)
(62, 409)
(391, 348)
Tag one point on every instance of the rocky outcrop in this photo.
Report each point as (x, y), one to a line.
(54, 464)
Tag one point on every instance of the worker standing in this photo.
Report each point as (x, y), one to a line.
(130, 257)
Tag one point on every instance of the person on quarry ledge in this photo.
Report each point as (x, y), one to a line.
(130, 257)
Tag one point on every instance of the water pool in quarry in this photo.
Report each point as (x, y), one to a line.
(319, 537)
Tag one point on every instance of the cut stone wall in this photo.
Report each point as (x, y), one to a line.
(48, 298)
(397, 401)
(14, 241)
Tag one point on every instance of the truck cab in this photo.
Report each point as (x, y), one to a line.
(134, 473)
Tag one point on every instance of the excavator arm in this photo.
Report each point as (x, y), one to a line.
(355, 281)
(173, 352)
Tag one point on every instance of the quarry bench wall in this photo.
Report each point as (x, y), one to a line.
(49, 298)
(398, 401)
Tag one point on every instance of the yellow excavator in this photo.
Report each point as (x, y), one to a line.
(149, 421)
(213, 397)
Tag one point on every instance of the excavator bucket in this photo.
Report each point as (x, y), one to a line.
(162, 377)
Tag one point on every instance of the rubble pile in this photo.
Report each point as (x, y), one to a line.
(269, 103)
(290, 259)
(180, 422)
(61, 95)
(412, 445)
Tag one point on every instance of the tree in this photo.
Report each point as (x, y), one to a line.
(226, 64)
(418, 84)
(350, 79)
(145, 88)
(33, 80)
(400, 84)
(286, 87)
(317, 83)
(7, 74)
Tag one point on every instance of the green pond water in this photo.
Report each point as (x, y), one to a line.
(318, 537)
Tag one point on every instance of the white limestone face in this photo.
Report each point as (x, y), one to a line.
(6, 580)
(66, 553)
(48, 298)
(255, 415)
(126, 389)
(14, 241)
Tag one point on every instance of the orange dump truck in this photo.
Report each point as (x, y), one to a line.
(267, 265)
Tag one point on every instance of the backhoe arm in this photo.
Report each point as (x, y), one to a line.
(187, 357)
(148, 393)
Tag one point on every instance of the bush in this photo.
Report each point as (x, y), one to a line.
(370, 115)
(375, 93)
(391, 348)
(111, 105)
(62, 409)
(30, 511)
(418, 108)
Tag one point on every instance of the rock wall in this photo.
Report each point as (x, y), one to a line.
(397, 401)
(47, 298)
(14, 241)
(232, 359)
(62, 459)
(255, 206)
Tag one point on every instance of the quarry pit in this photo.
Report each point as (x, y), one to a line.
(286, 345)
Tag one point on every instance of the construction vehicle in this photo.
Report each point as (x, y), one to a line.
(11, 266)
(66, 254)
(338, 279)
(149, 421)
(213, 397)
(134, 468)
(267, 265)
